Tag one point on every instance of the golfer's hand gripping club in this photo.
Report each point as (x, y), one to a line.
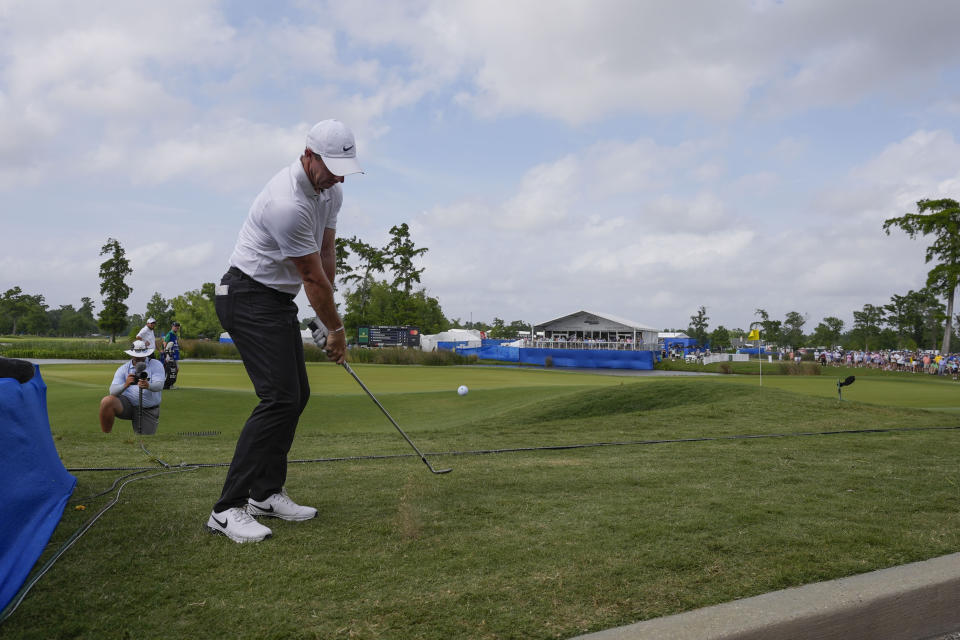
(319, 333)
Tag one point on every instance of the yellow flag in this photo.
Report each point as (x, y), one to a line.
(754, 335)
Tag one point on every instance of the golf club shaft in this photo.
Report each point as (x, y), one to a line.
(394, 422)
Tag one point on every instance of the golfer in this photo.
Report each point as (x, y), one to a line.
(287, 240)
(129, 388)
(148, 336)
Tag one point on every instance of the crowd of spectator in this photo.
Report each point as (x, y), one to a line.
(892, 360)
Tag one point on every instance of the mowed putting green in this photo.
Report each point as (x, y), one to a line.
(535, 543)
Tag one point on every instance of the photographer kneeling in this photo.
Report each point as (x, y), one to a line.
(135, 392)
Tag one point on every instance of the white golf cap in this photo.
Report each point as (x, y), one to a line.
(149, 320)
(140, 349)
(333, 141)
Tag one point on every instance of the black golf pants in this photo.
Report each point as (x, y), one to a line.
(263, 325)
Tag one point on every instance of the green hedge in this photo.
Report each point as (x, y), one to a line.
(205, 349)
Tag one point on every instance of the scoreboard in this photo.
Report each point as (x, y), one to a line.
(389, 336)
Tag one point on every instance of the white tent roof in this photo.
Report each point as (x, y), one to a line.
(470, 336)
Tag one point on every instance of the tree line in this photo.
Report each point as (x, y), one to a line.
(914, 320)
(379, 287)
(370, 297)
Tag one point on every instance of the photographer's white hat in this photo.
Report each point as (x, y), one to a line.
(333, 141)
(139, 350)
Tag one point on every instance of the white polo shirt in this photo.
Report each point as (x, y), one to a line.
(286, 220)
(148, 336)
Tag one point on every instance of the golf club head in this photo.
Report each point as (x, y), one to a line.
(430, 466)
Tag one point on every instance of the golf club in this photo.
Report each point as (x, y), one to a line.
(313, 327)
(389, 417)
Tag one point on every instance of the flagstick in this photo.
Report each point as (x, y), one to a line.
(760, 355)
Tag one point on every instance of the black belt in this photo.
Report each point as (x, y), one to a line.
(240, 274)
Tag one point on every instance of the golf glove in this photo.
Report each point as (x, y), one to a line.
(319, 333)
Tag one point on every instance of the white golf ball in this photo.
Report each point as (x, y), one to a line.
(462, 389)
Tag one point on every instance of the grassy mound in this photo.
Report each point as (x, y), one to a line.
(535, 544)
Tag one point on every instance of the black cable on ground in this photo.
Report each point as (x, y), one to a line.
(22, 593)
(15, 602)
(559, 447)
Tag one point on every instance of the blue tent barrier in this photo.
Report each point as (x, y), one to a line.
(580, 358)
(451, 345)
(36, 485)
(754, 351)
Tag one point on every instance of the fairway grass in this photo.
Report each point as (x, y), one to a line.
(531, 544)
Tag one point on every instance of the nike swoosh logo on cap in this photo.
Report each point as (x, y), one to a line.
(347, 148)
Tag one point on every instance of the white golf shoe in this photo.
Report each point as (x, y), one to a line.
(236, 524)
(279, 505)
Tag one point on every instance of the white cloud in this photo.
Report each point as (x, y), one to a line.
(652, 142)
(579, 63)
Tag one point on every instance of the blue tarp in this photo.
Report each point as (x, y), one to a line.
(580, 358)
(452, 345)
(35, 484)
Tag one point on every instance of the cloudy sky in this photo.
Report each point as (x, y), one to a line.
(640, 158)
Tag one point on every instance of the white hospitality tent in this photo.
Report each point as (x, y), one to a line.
(470, 336)
(606, 327)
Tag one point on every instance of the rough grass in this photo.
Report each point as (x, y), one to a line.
(534, 544)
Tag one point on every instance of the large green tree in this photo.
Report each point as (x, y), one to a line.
(772, 329)
(828, 332)
(867, 323)
(940, 219)
(916, 318)
(386, 304)
(370, 259)
(114, 289)
(720, 338)
(14, 306)
(159, 309)
(400, 253)
(793, 329)
(197, 314)
(698, 326)
(35, 321)
(500, 329)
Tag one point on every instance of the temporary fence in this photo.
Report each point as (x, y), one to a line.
(726, 357)
(592, 345)
(579, 358)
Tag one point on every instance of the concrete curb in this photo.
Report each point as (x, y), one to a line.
(909, 602)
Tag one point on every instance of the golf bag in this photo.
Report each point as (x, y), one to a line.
(171, 369)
